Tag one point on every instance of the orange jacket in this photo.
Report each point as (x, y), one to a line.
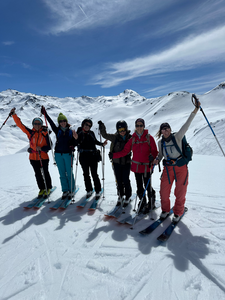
(37, 138)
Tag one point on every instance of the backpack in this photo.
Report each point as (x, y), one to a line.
(187, 151)
(141, 142)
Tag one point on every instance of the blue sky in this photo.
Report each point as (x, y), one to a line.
(100, 47)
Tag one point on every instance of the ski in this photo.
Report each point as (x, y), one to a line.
(168, 231)
(118, 210)
(85, 200)
(67, 201)
(113, 211)
(58, 203)
(35, 201)
(43, 199)
(154, 225)
(95, 202)
(130, 219)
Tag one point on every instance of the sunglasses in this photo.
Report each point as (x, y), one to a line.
(86, 124)
(38, 124)
(61, 121)
(139, 125)
(122, 129)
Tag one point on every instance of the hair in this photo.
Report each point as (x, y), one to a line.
(158, 134)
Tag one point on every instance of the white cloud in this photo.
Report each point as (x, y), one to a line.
(8, 43)
(189, 54)
(197, 85)
(73, 14)
(196, 16)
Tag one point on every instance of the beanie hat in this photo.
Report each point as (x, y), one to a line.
(61, 117)
(37, 119)
(164, 125)
(140, 120)
(87, 120)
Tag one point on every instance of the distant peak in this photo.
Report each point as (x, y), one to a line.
(220, 86)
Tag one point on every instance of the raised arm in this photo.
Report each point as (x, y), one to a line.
(52, 124)
(108, 136)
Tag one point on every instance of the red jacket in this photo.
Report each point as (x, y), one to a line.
(37, 138)
(141, 151)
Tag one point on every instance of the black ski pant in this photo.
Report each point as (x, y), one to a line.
(142, 182)
(39, 177)
(89, 164)
(122, 174)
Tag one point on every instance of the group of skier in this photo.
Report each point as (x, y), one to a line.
(137, 153)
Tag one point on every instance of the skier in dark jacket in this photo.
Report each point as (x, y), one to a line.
(89, 155)
(121, 166)
(64, 153)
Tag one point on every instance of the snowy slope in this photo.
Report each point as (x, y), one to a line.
(173, 108)
(79, 255)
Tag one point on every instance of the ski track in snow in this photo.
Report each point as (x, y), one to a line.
(58, 254)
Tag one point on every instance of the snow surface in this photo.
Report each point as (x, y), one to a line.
(75, 254)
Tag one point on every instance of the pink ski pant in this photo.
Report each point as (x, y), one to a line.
(180, 175)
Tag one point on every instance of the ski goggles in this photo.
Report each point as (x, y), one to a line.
(61, 121)
(86, 124)
(37, 123)
(122, 129)
(139, 125)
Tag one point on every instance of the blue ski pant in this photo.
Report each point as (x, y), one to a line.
(64, 163)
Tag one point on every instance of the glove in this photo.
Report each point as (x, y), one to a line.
(100, 123)
(151, 159)
(43, 110)
(30, 150)
(110, 155)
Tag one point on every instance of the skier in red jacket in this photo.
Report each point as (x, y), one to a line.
(144, 149)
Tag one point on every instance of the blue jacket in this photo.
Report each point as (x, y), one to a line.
(65, 141)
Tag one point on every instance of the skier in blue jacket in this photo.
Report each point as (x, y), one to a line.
(64, 153)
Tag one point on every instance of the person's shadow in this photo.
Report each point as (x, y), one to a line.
(19, 213)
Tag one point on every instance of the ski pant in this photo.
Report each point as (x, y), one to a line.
(180, 175)
(89, 163)
(122, 174)
(142, 182)
(64, 163)
(39, 178)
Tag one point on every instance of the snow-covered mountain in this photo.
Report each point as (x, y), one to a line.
(129, 105)
(78, 255)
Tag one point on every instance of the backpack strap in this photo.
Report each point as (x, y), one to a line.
(176, 146)
(141, 142)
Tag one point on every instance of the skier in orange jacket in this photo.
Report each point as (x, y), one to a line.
(39, 146)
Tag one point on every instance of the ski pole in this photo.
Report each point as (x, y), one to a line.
(75, 180)
(143, 197)
(10, 114)
(43, 175)
(103, 173)
(103, 165)
(51, 144)
(194, 96)
(135, 204)
(141, 202)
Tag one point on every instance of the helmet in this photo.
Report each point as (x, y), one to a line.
(86, 120)
(121, 124)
